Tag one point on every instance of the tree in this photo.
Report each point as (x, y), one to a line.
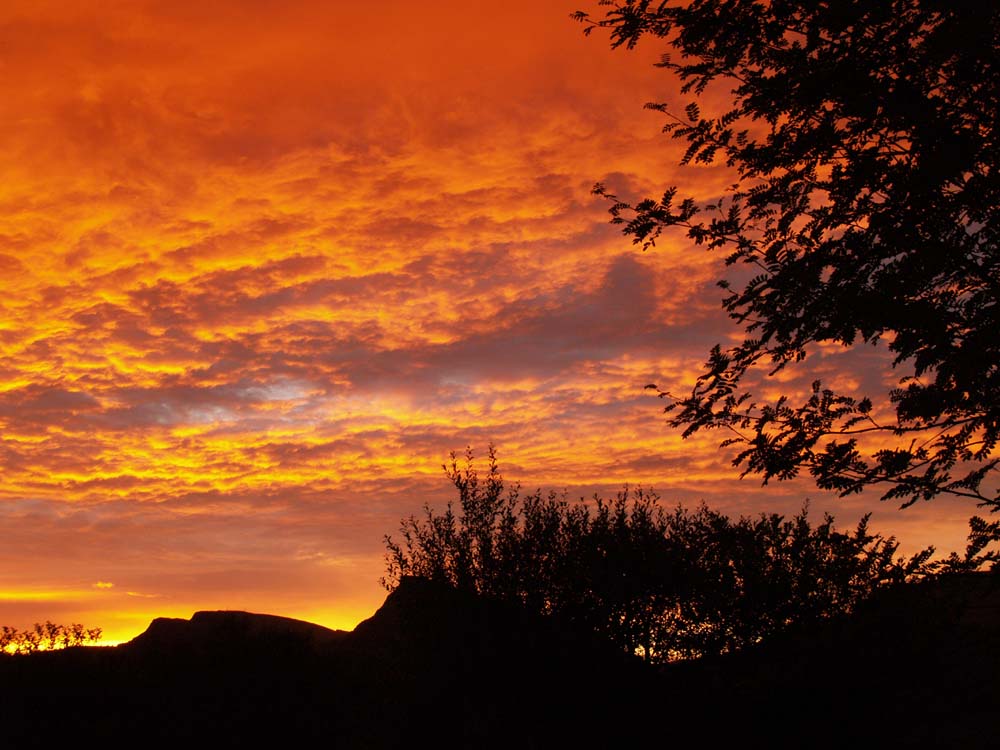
(662, 584)
(864, 142)
(45, 636)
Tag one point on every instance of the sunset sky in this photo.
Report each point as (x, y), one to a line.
(266, 263)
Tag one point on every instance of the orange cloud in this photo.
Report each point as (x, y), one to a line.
(266, 263)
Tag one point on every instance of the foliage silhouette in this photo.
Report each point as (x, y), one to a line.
(508, 678)
(45, 636)
(663, 584)
(864, 142)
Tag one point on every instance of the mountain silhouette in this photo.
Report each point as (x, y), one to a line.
(438, 667)
(209, 631)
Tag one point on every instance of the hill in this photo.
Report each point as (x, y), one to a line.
(441, 668)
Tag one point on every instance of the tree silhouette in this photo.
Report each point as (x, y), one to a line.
(45, 636)
(663, 584)
(863, 139)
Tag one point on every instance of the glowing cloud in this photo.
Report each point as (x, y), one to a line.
(264, 265)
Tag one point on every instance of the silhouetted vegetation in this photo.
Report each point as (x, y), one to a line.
(45, 636)
(664, 584)
(443, 668)
(863, 142)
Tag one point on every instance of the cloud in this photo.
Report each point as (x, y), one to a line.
(265, 264)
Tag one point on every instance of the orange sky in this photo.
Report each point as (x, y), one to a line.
(266, 263)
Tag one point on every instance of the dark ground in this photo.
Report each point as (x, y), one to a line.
(436, 668)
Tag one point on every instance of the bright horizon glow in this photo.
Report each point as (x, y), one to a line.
(265, 265)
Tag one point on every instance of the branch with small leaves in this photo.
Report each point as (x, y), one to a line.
(866, 159)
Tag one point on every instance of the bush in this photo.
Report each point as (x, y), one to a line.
(45, 636)
(662, 584)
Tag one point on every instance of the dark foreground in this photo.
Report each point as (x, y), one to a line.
(435, 668)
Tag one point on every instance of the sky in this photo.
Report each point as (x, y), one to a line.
(264, 264)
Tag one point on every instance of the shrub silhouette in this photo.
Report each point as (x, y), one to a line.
(662, 584)
(45, 636)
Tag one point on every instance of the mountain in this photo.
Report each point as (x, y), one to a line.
(441, 668)
(209, 631)
(451, 668)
